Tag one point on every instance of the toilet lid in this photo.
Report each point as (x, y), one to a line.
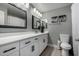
(65, 45)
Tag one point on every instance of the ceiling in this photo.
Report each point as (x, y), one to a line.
(45, 7)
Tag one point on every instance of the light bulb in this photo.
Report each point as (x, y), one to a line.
(37, 12)
(40, 14)
(46, 20)
(27, 5)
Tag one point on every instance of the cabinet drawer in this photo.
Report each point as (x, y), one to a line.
(26, 42)
(36, 39)
(9, 48)
(26, 51)
(16, 53)
(45, 36)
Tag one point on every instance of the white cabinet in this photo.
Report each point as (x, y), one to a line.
(36, 49)
(43, 42)
(30, 50)
(26, 42)
(41, 46)
(26, 51)
(9, 48)
(34, 46)
(16, 53)
(27, 47)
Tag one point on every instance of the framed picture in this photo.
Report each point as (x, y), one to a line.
(62, 18)
(59, 19)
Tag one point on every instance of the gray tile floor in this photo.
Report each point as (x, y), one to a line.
(51, 51)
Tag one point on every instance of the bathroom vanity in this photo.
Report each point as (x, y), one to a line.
(23, 44)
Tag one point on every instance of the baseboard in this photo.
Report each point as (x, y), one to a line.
(52, 45)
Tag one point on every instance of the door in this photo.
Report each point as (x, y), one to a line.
(36, 49)
(75, 27)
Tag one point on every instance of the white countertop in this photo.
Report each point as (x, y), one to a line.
(12, 37)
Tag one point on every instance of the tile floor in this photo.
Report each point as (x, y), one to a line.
(50, 51)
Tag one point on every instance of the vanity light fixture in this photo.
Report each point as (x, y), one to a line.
(37, 12)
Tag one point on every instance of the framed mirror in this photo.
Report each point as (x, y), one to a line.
(36, 22)
(12, 16)
(45, 24)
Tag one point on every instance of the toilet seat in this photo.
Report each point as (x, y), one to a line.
(65, 46)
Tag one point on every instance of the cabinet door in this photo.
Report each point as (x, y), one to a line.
(36, 49)
(41, 45)
(43, 42)
(9, 48)
(14, 54)
(27, 51)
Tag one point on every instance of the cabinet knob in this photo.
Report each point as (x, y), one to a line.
(44, 40)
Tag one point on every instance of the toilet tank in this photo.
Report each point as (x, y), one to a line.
(64, 37)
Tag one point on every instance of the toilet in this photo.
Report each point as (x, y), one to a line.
(65, 44)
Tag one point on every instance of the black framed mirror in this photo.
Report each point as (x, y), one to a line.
(36, 22)
(13, 16)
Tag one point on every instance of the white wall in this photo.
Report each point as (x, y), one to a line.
(56, 29)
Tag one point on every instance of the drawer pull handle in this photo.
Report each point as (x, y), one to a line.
(33, 48)
(9, 50)
(27, 42)
(36, 38)
(44, 40)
